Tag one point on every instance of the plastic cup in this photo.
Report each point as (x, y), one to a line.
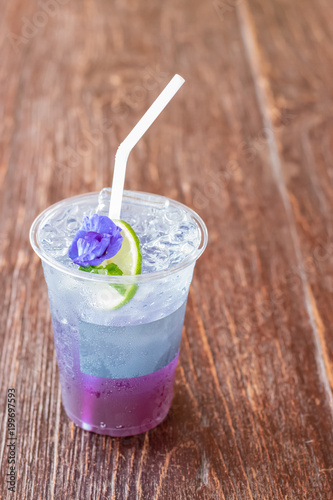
(116, 366)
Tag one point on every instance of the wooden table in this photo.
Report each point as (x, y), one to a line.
(248, 143)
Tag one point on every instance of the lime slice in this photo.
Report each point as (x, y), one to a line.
(128, 260)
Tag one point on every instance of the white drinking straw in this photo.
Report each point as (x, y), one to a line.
(133, 137)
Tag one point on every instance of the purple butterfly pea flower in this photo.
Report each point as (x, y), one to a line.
(98, 239)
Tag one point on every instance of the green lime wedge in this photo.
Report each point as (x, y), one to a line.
(129, 258)
(128, 261)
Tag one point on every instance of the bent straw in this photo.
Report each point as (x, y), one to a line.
(133, 137)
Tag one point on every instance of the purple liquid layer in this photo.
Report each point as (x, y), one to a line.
(119, 407)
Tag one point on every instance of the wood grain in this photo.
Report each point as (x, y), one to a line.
(248, 144)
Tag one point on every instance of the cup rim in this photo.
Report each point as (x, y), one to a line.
(128, 279)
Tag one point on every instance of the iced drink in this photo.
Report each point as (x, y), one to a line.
(117, 363)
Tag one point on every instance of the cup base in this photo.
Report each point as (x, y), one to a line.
(119, 407)
(119, 432)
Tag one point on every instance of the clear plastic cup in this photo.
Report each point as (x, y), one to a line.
(116, 366)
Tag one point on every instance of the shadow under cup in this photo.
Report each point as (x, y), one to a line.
(117, 366)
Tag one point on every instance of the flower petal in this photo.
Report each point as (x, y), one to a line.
(98, 239)
(73, 252)
(114, 247)
(99, 224)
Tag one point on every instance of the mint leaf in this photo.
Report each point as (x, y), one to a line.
(87, 269)
(110, 269)
(113, 269)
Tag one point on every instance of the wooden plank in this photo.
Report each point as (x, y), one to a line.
(299, 81)
(302, 51)
(251, 418)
